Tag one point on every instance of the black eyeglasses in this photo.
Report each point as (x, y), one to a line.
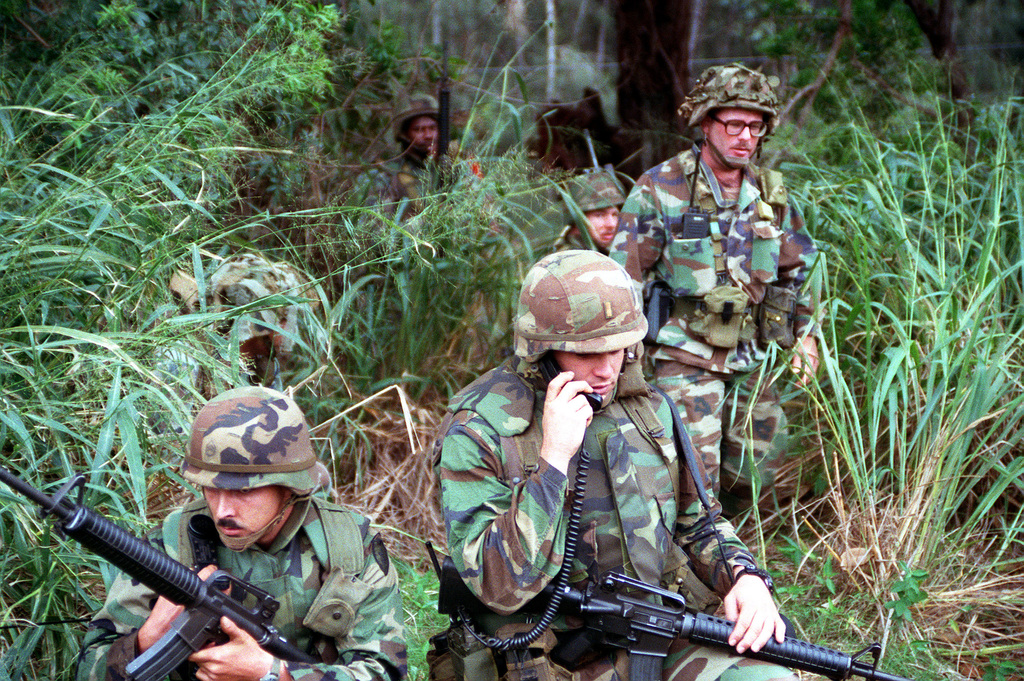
(735, 127)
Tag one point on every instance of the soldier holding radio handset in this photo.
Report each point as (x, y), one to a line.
(541, 487)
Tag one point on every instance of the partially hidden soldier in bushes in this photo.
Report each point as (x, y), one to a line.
(266, 336)
(592, 216)
(506, 455)
(727, 268)
(252, 459)
(401, 185)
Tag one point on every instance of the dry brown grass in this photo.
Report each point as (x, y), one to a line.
(398, 491)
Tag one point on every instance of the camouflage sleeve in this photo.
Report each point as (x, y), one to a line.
(371, 187)
(109, 644)
(505, 539)
(640, 237)
(373, 648)
(799, 269)
(709, 541)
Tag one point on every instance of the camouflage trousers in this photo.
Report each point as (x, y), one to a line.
(684, 662)
(737, 426)
(697, 663)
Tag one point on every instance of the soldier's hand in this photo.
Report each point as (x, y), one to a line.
(239, 658)
(805, 360)
(566, 417)
(750, 605)
(162, 616)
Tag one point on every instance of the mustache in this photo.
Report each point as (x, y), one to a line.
(229, 524)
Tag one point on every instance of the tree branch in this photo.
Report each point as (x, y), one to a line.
(810, 91)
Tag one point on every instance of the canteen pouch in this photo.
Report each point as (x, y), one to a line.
(722, 319)
(777, 318)
(439, 659)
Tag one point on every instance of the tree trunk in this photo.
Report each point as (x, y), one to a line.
(552, 50)
(937, 24)
(654, 72)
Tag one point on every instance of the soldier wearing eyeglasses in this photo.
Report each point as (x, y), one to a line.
(726, 266)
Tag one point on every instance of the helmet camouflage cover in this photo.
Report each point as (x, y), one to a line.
(732, 86)
(246, 278)
(595, 190)
(409, 108)
(577, 301)
(252, 437)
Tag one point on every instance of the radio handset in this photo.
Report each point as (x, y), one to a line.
(549, 368)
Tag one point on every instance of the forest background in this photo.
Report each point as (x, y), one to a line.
(139, 139)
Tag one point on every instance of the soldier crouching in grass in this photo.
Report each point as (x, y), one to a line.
(251, 456)
(513, 440)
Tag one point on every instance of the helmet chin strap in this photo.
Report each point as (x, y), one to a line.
(244, 542)
(729, 161)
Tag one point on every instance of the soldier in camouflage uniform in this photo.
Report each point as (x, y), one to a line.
(265, 337)
(251, 455)
(592, 214)
(731, 251)
(401, 185)
(511, 442)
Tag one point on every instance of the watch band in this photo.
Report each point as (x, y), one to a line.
(759, 573)
(271, 675)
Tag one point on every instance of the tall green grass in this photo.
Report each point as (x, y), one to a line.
(914, 418)
(917, 414)
(99, 208)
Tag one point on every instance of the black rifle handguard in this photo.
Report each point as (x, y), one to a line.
(161, 573)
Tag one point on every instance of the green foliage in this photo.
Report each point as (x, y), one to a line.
(908, 592)
(919, 409)
(419, 593)
(144, 137)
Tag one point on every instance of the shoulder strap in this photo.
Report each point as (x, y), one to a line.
(340, 545)
(522, 452)
(183, 543)
(685, 449)
(647, 422)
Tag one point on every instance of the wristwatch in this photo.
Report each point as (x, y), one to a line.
(759, 573)
(272, 675)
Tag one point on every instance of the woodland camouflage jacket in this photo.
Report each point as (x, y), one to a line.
(506, 527)
(765, 244)
(358, 634)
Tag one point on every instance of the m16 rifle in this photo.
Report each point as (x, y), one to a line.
(623, 612)
(444, 107)
(205, 601)
(444, 124)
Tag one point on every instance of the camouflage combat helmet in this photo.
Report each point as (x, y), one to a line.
(246, 278)
(732, 86)
(596, 190)
(577, 301)
(252, 437)
(409, 108)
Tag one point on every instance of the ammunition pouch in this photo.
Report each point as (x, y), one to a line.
(457, 655)
(699, 598)
(777, 319)
(533, 663)
(468, 658)
(724, 318)
(658, 304)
